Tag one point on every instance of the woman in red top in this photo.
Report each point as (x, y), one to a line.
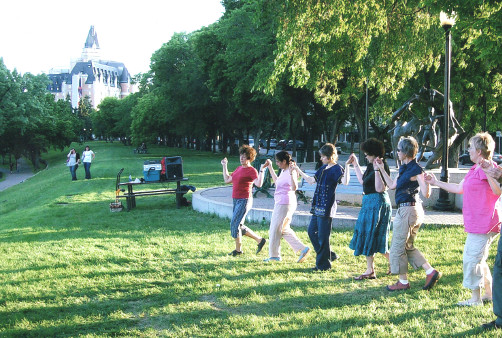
(243, 179)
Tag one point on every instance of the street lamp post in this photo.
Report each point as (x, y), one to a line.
(443, 202)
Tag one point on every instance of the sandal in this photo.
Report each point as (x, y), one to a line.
(370, 275)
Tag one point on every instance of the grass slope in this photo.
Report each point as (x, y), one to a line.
(70, 267)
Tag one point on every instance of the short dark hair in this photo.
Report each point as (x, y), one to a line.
(283, 156)
(373, 147)
(249, 151)
(329, 151)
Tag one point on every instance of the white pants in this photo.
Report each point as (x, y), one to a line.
(280, 227)
(476, 250)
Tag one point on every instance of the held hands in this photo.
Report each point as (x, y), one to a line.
(266, 164)
(495, 172)
(293, 166)
(224, 162)
(378, 164)
(430, 178)
(352, 160)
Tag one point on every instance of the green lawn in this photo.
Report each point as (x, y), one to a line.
(70, 267)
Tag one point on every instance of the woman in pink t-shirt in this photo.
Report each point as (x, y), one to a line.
(285, 205)
(482, 217)
(242, 180)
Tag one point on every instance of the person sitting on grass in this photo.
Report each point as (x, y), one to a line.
(242, 180)
(409, 216)
(481, 211)
(284, 207)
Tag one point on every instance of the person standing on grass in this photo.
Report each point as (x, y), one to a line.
(284, 207)
(327, 178)
(409, 216)
(495, 173)
(87, 157)
(482, 216)
(371, 232)
(72, 162)
(242, 180)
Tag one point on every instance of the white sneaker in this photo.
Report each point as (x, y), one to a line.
(470, 302)
(305, 252)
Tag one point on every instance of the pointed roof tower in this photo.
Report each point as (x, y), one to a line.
(91, 49)
(92, 39)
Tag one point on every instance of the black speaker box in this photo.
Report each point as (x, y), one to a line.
(174, 167)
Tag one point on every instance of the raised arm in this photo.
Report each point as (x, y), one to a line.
(353, 160)
(226, 176)
(380, 167)
(379, 183)
(309, 179)
(450, 187)
(271, 170)
(259, 180)
(425, 187)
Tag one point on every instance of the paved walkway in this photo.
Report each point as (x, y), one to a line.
(22, 173)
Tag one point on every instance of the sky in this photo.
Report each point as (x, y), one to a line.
(36, 36)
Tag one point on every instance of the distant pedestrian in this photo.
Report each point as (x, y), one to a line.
(482, 217)
(71, 162)
(242, 180)
(284, 207)
(409, 216)
(371, 232)
(326, 178)
(87, 157)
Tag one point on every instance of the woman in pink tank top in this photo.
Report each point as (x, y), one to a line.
(285, 205)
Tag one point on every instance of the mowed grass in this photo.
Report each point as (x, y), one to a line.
(70, 267)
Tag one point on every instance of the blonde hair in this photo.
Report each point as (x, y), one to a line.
(485, 143)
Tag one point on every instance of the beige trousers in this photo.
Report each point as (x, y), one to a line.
(280, 228)
(402, 250)
(476, 250)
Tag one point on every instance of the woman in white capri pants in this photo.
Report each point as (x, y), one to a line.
(285, 205)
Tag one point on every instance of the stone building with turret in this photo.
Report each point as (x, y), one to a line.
(91, 76)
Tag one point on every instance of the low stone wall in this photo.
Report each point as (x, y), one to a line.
(456, 175)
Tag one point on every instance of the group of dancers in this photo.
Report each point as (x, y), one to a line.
(482, 212)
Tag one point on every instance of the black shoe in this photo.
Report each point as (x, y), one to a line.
(235, 253)
(491, 326)
(261, 245)
(333, 256)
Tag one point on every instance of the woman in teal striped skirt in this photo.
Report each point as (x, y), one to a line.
(371, 233)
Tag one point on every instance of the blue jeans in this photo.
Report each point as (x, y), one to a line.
(87, 167)
(73, 172)
(319, 231)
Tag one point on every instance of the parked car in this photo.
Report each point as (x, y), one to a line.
(299, 145)
(497, 158)
(338, 149)
(282, 144)
(465, 158)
